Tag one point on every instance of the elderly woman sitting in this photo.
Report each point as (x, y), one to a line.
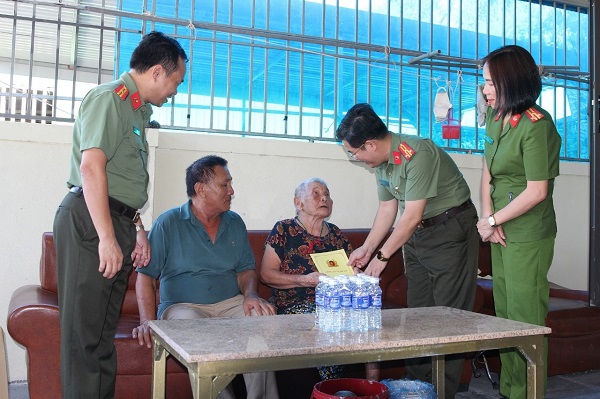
(287, 266)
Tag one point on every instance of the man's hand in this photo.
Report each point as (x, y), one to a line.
(359, 257)
(111, 258)
(375, 267)
(143, 333)
(141, 253)
(260, 306)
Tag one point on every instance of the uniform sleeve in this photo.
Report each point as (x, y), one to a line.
(382, 187)
(102, 125)
(422, 175)
(535, 147)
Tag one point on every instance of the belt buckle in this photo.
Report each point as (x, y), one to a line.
(136, 217)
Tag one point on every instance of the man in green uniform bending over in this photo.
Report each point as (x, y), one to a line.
(97, 230)
(437, 228)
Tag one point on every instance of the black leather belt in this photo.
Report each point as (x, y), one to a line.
(442, 217)
(114, 205)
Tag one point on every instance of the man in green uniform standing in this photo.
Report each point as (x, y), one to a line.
(97, 230)
(437, 228)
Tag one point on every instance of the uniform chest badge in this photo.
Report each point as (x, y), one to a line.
(122, 91)
(406, 151)
(397, 158)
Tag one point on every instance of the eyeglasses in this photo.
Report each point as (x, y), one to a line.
(353, 154)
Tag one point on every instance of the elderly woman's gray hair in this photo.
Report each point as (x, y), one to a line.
(302, 188)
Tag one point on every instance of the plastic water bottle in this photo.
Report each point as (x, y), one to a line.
(374, 304)
(345, 303)
(330, 320)
(360, 307)
(319, 299)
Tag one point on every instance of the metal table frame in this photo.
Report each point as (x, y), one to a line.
(211, 377)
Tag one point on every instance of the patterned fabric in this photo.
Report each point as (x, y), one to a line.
(294, 245)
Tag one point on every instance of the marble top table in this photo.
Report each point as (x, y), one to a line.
(215, 350)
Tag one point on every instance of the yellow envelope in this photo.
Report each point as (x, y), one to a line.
(333, 263)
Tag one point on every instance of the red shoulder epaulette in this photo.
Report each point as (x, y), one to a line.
(406, 150)
(533, 114)
(122, 91)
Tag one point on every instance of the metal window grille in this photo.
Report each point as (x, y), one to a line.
(291, 68)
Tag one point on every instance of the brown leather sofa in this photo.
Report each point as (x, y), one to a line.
(573, 343)
(33, 322)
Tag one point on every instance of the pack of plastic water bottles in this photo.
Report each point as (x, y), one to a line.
(348, 303)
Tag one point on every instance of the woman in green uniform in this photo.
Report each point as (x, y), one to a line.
(521, 162)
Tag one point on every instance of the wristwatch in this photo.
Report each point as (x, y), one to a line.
(492, 220)
(139, 227)
(381, 257)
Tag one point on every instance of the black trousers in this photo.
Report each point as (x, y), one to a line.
(89, 304)
(441, 267)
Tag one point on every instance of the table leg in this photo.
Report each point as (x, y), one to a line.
(438, 373)
(534, 353)
(208, 387)
(159, 370)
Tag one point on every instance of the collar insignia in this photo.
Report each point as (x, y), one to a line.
(122, 91)
(397, 158)
(406, 150)
(514, 120)
(136, 101)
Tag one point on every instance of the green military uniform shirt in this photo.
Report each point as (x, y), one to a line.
(526, 149)
(113, 119)
(418, 169)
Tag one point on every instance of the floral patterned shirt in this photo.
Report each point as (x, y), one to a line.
(294, 245)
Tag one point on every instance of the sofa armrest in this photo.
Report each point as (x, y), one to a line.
(566, 293)
(33, 316)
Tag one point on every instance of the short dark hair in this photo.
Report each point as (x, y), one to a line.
(516, 78)
(157, 48)
(360, 124)
(202, 171)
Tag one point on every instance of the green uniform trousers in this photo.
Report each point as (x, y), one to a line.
(441, 267)
(521, 292)
(89, 304)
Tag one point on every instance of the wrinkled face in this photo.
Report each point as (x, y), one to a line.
(488, 89)
(166, 86)
(217, 193)
(316, 201)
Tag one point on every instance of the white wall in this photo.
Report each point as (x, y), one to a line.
(34, 162)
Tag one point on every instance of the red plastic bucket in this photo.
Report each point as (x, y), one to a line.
(363, 389)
